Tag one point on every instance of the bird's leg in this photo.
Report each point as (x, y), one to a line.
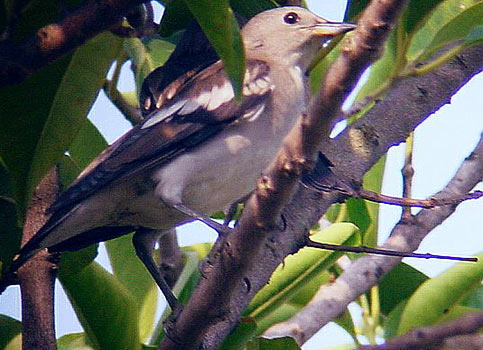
(143, 243)
(220, 228)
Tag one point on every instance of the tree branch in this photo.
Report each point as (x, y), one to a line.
(433, 336)
(211, 314)
(37, 276)
(19, 60)
(353, 153)
(366, 272)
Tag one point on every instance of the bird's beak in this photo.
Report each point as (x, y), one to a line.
(332, 28)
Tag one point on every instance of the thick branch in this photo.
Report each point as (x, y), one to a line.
(433, 336)
(210, 314)
(37, 276)
(353, 153)
(366, 272)
(19, 60)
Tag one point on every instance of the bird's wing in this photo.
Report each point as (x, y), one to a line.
(191, 114)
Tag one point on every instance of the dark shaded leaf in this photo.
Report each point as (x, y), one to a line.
(399, 284)
(220, 26)
(10, 333)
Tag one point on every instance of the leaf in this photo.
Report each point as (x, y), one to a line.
(132, 273)
(299, 269)
(358, 214)
(399, 284)
(381, 71)
(372, 181)
(74, 341)
(219, 24)
(354, 8)
(415, 13)
(177, 15)
(105, 309)
(75, 95)
(392, 321)
(10, 333)
(285, 343)
(237, 339)
(436, 296)
(280, 314)
(10, 232)
(34, 135)
(463, 27)
(87, 145)
(147, 55)
(475, 299)
(443, 14)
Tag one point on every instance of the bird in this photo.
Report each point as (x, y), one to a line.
(199, 150)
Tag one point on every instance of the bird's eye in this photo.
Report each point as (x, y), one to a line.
(291, 18)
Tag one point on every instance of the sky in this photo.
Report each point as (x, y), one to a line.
(441, 144)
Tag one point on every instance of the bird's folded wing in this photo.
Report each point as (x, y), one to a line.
(191, 114)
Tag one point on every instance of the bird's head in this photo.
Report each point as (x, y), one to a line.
(289, 33)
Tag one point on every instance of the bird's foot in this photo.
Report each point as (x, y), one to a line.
(220, 228)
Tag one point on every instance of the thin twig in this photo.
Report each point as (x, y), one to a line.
(386, 252)
(408, 173)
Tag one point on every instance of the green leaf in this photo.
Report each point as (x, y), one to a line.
(217, 20)
(399, 284)
(346, 322)
(463, 27)
(436, 296)
(34, 135)
(299, 269)
(381, 71)
(106, 310)
(475, 299)
(442, 15)
(21, 124)
(177, 15)
(71, 263)
(280, 314)
(306, 292)
(392, 321)
(88, 143)
(74, 341)
(10, 232)
(358, 214)
(243, 333)
(147, 54)
(354, 8)
(373, 182)
(416, 12)
(75, 95)
(285, 343)
(10, 333)
(132, 273)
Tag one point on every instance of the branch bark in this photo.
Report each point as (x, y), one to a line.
(433, 337)
(216, 305)
(366, 272)
(37, 276)
(19, 60)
